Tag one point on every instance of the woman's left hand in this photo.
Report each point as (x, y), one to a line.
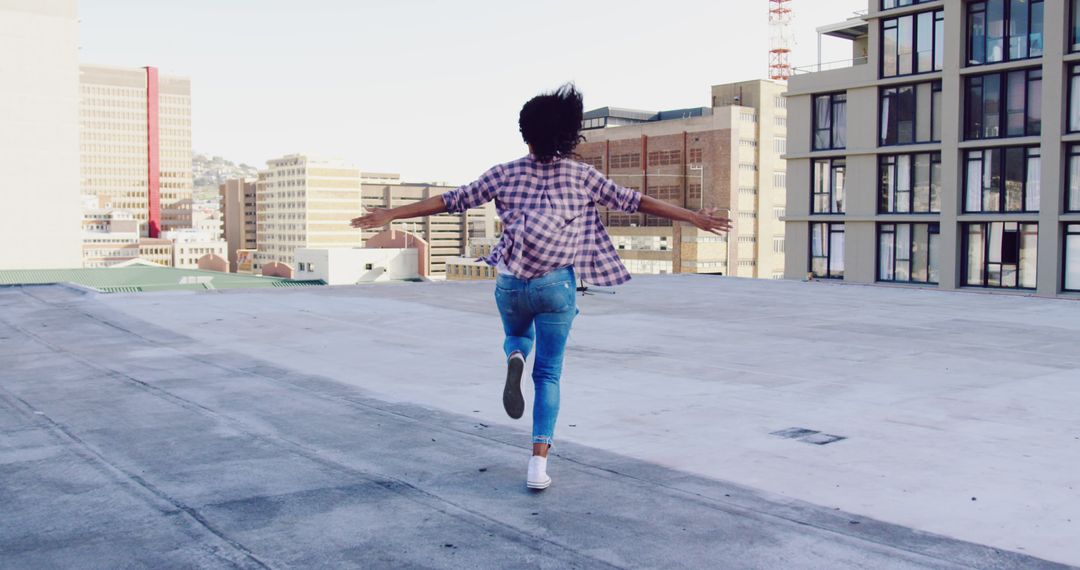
(708, 220)
(375, 218)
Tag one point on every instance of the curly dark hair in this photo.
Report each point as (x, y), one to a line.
(551, 123)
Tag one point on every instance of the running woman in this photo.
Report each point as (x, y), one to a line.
(552, 236)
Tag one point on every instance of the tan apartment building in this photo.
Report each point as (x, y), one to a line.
(726, 156)
(238, 211)
(39, 135)
(447, 235)
(135, 144)
(305, 202)
(970, 176)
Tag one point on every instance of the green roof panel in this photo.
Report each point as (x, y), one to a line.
(145, 278)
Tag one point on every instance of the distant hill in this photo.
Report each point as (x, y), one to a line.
(211, 171)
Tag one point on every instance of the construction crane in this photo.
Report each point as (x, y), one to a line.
(780, 39)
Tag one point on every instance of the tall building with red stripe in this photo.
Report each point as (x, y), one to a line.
(135, 146)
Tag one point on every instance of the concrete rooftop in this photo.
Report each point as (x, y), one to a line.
(362, 427)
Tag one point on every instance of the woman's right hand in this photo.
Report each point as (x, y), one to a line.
(375, 218)
(707, 220)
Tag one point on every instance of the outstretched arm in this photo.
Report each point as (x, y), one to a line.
(379, 217)
(704, 219)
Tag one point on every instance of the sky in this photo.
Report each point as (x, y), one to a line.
(426, 88)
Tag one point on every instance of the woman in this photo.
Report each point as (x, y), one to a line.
(552, 235)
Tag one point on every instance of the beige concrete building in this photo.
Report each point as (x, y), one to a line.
(135, 141)
(469, 267)
(726, 156)
(304, 202)
(156, 250)
(971, 174)
(238, 211)
(447, 235)
(39, 135)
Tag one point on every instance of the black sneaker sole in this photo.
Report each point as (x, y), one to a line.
(513, 401)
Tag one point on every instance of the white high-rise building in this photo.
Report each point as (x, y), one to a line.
(40, 223)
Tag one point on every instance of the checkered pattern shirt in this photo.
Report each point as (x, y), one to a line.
(548, 211)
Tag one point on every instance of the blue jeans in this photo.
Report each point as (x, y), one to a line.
(539, 311)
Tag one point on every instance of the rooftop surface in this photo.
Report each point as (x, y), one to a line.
(362, 426)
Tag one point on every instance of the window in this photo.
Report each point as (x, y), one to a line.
(828, 186)
(827, 250)
(1072, 200)
(665, 157)
(1004, 105)
(1000, 254)
(1074, 98)
(1074, 35)
(830, 121)
(695, 156)
(778, 244)
(664, 192)
(368, 266)
(780, 146)
(913, 44)
(1002, 180)
(910, 183)
(629, 160)
(1002, 30)
(779, 179)
(1072, 257)
(908, 253)
(890, 4)
(596, 162)
(780, 102)
(911, 114)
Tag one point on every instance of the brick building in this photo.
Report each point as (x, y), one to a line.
(726, 156)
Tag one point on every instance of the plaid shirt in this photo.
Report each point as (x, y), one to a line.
(549, 217)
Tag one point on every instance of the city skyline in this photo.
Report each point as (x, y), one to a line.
(265, 85)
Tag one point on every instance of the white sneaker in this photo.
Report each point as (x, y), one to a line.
(538, 478)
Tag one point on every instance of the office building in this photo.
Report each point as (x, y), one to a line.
(39, 135)
(238, 212)
(726, 156)
(447, 235)
(970, 176)
(135, 140)
(305, 202)
(190, 246)
(109, 236)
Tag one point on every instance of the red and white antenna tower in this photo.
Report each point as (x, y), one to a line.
(780, 39)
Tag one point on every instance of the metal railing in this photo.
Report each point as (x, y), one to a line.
(829, 65)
